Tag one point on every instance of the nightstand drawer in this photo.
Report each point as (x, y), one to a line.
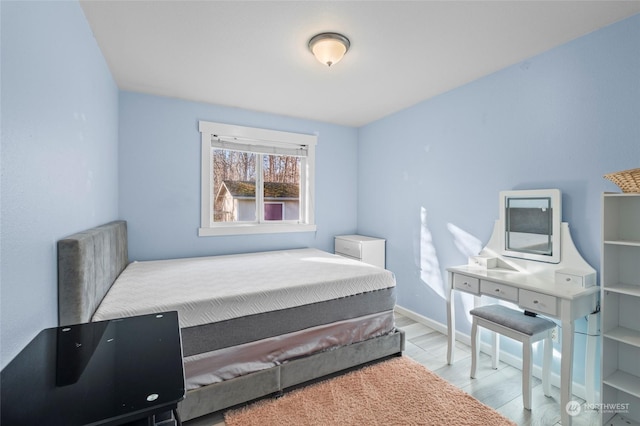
(500, 291)
(369, 250)
(538, 302)
(349, 248)
(467, 284)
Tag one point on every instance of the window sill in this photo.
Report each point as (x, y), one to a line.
(255, 229)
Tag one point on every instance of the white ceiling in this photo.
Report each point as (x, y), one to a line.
(254, 55)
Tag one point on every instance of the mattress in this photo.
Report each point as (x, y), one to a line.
(237, 331)
(211, 289)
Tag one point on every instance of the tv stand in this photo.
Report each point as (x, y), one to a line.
(534, 286)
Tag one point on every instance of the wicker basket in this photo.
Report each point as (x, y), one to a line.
(627, 180)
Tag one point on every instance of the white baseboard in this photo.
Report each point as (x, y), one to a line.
(439, 327)
(514, 361)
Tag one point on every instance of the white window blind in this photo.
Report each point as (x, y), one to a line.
(258, 146)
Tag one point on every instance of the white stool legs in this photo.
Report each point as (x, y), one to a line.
(495, 356)
(546, 363)
(527, 352)
(527, 364)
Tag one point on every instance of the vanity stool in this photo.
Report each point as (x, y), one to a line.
(523, 328)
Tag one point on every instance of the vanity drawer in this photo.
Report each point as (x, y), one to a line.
(538, 302)
(582, 279)
(500, 291)
(465, 283)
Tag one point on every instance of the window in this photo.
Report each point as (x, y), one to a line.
(256, 180)
(275, 211)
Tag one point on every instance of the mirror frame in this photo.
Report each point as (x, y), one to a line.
(556, 218)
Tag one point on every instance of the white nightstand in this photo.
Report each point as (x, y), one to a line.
(359, 247)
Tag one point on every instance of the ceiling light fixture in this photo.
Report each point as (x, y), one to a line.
(329, 48)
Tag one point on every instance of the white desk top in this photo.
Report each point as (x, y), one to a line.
(530, 274)
(525, 280)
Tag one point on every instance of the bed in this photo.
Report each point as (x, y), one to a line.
(252, 325)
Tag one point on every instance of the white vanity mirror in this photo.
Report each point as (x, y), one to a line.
(531, 224)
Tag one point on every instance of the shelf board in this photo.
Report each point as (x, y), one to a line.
(624, 335)
(621, 420)
(629, 243)
(625, 382)
(628, 289)
(621, 194)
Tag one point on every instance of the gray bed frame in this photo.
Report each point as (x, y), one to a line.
(90, 261)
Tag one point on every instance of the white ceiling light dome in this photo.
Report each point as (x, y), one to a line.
(329, 48)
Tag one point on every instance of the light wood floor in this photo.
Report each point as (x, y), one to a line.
(500, 389)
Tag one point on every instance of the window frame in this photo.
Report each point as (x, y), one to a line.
(250, 136)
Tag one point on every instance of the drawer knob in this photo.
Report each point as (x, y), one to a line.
(497, 290)
(535, 302)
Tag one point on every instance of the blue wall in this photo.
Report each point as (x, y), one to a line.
(75, 153)
(559, 120)
(160, 178)
(59, 155)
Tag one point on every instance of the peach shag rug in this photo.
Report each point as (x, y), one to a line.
(398, 392)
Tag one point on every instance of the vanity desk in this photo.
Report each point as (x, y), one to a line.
(565, 291)
(530, 293)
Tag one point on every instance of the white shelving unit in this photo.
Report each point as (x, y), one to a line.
(620, 299)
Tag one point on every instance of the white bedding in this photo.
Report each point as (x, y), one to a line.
(217, 288)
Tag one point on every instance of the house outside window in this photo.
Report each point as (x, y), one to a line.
(256, 180)
(235, 201)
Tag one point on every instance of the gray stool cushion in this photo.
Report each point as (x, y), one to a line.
(513, 319)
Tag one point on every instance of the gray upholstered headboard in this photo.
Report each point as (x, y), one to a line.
(88, 264)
